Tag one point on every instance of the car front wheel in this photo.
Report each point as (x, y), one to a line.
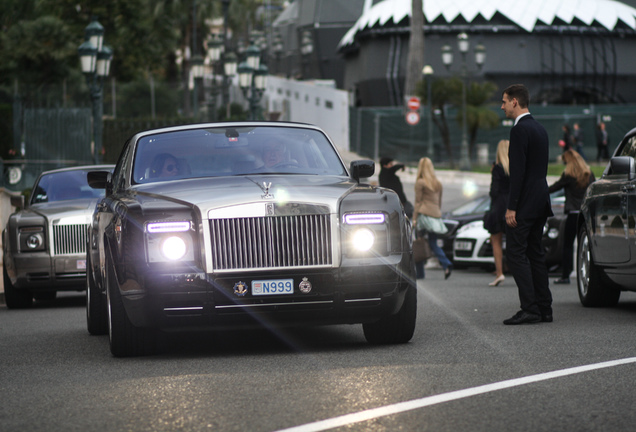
(595, 289)
(398, 328)
(125, 339)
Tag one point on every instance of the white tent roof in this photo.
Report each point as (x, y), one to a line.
(526, 14)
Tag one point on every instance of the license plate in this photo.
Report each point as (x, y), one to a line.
(272, 287)
(81, 264)
(463, 245)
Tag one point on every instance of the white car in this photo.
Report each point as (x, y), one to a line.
(472, 246)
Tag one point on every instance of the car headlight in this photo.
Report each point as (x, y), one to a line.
(31, 239)
(363, 239)
(170, 241)
(366, 233)
(174, 248)
(34, 241)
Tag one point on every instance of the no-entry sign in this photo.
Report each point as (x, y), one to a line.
(413, 103)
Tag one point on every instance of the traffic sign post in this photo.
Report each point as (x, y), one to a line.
(412, 118)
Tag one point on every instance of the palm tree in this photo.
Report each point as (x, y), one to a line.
(415, 60)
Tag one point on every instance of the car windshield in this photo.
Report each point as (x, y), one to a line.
(228, 151)
(62, 186)
(478, 205)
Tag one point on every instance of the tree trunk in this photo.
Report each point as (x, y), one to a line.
(415, 60)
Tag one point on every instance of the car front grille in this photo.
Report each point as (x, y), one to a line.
(69, 239)
(271, 242)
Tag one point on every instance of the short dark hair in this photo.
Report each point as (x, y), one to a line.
(385, 160)
(519, 92)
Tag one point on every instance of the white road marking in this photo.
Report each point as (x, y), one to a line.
(446, 397)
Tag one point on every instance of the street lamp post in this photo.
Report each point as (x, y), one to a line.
(463, 43)
(253, 79)
(95, 62)
(428, 73)
(227, 61)
(197, 70)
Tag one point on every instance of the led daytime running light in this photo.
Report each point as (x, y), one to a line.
(364, 218)
(164, 227)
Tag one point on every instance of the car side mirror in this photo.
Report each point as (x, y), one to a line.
(17, 201)
(98, 179)
(362, 169)
(623, 165)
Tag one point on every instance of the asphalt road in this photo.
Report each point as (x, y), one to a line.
(56, 377)
(463, 370)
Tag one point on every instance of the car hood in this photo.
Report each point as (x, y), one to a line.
(226, 192)
(65, 209)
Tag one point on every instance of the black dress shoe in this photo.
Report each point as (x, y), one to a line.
(447, 272)
(523, 317)
(562, 281)
(546, 318)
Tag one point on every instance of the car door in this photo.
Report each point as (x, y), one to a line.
(615, 194)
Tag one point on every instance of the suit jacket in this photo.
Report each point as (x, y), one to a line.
(427, 201)
(529, 154)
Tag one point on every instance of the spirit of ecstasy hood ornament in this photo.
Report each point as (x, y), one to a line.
(265, 187)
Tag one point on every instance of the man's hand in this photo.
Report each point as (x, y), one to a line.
(511, 218)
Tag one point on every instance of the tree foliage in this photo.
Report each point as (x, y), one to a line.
(479, 115)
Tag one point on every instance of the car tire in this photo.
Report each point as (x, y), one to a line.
(125, 339)
(398, 328)
(594, 287)
(96, 309)
(13, 297)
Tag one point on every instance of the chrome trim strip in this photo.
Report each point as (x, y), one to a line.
(273, 304)
(172, 309)
(363, 300)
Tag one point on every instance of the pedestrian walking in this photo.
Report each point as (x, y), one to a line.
(566, 141)
(389, 179)
(528, 208)
(575, 179)
(428, 213)
(495, 219)
(602, 141)
(577, 139)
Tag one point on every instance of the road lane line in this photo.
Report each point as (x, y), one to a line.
(446, 397)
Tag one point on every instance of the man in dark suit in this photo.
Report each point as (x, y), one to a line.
(528, 208)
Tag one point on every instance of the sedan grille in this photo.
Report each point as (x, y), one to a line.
(271, 242)
(69, 239)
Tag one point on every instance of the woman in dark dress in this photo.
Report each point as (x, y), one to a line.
(575, 179)
(494, 220)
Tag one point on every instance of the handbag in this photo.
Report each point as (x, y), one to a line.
(421, 249)
(431, 224)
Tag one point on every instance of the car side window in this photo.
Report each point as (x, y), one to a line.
(629, 149)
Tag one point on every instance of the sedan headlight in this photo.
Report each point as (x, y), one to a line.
(170, 241)
(362, 239)
(366, 233)
(31, 239)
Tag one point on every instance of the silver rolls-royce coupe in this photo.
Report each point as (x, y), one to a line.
(44, 244)
(232, 225)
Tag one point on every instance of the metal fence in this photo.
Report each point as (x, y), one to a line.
(375, 132)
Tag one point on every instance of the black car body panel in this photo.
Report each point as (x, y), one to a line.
(606, 256)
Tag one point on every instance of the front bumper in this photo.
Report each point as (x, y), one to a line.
(40, 271)
(337, 296)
